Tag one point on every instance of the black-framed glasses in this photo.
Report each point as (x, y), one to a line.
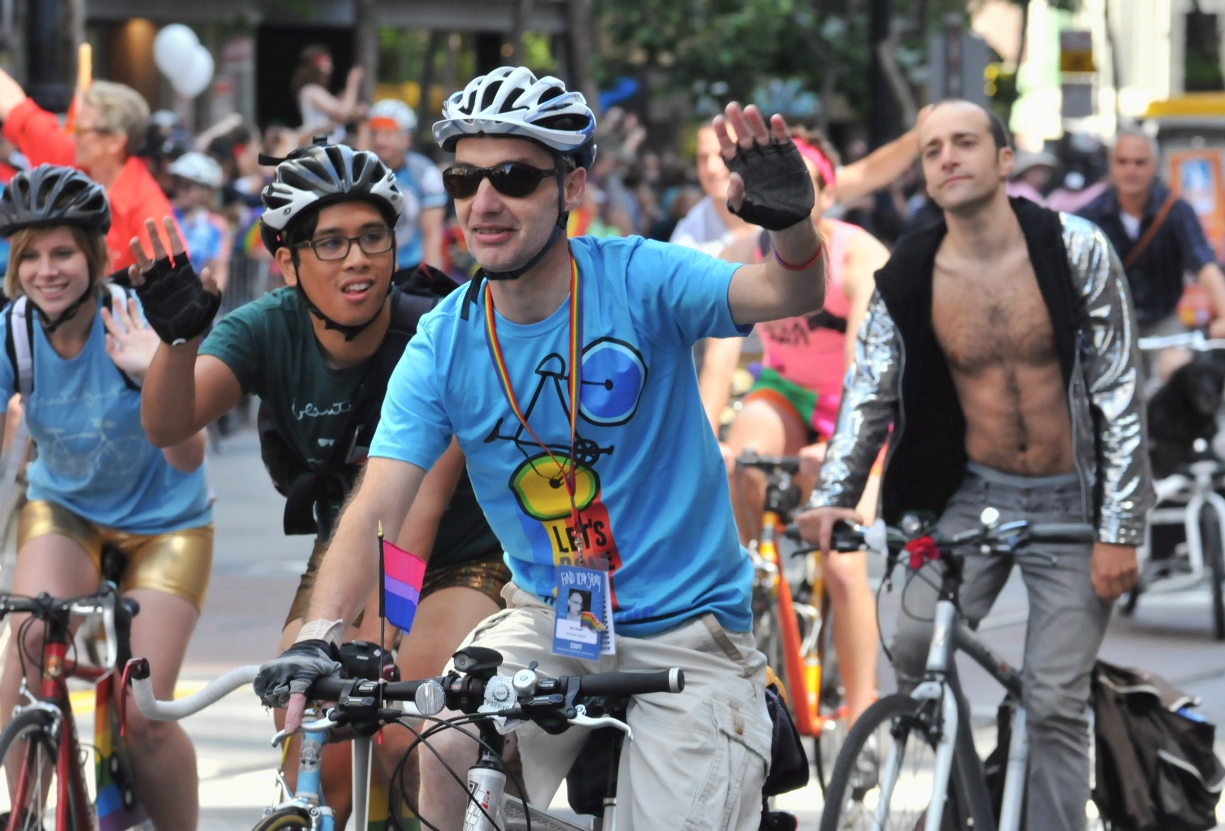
(514, 179)
(336, 247)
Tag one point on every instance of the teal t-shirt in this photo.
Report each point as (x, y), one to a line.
(93, 455)
(270, 346)
(652, 487)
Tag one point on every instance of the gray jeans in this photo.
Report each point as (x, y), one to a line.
(1066, 624)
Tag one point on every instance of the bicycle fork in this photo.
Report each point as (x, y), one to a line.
(309, 792)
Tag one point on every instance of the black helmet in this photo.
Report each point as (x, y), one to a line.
(322, 174)
(51, 195)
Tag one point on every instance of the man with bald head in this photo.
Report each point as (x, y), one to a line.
(1128, 211)
(1000, 346)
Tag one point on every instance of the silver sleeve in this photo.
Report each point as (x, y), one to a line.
(869, 405)
(1111, 361)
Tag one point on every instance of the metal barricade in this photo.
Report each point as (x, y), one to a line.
(248, 281)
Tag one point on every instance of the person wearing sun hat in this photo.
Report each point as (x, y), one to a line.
(419, 231)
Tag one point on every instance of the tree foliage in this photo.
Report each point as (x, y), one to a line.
(716, 50)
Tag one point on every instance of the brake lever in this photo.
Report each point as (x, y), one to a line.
(581, 719)
(320, 726)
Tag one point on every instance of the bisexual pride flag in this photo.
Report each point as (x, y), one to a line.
(402, 576)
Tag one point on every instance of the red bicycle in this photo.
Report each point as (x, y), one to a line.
(41, 740)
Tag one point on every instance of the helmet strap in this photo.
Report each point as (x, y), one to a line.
(68, 314)
(559, 230)
(350, 331)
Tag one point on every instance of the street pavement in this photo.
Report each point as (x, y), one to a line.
(255, 574)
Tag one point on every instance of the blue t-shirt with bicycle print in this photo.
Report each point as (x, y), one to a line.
(93, 456)
(651, 485)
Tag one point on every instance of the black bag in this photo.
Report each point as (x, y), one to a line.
(1156, 770)
(788, 761)
(304, 486)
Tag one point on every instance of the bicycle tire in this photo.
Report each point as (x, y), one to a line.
(283, 819)
(1214, 565)
(849, 806)
(37, 726)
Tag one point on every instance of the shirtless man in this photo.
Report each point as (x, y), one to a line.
(1018, 391)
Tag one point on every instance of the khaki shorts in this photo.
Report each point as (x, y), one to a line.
(177, 562)
(487, 575)
(698, 758)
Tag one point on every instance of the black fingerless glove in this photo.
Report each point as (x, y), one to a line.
(294, 670)
(175, 302)
(778, 191)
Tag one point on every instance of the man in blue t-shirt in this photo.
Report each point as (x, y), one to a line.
(419, 230)
(633, 480)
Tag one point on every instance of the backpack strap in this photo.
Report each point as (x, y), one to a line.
(20, 345)
(118, 296)
(308, 489)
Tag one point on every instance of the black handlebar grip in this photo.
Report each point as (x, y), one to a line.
(625, 684)
(327, 689)
(792, 532)
(1063, 532)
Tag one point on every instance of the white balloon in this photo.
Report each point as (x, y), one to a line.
(173, 48)
(193, 80)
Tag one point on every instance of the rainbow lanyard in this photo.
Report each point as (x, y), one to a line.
(568, 473)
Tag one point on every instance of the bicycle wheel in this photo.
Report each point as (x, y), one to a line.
(284, 819)
(1214, 565)
(892, 728)
(36, 766)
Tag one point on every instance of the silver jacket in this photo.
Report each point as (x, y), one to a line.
(1108, 413)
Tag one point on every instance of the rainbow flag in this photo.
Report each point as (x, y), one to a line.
(403, 574)
(590, 619)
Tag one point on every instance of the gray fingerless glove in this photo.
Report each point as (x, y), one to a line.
(778, 191)
(294, 670)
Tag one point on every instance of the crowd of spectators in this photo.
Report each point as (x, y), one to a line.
(150, 165)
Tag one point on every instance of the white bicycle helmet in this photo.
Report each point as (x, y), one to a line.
(198, 168)
(394, 111)
(511, 101)
(322, 174)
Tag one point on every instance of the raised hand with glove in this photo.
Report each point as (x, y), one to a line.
(770, 186)
(178, 304)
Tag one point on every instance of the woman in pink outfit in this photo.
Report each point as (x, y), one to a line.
(791, 408)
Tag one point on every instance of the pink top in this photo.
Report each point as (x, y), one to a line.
(798, 348)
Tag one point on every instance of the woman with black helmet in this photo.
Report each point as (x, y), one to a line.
(97, 481)
(307, 351)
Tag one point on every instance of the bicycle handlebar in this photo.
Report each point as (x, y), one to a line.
(769, 464)
(625, 684)
(215, 690)
(882, 539)
(1195, 341)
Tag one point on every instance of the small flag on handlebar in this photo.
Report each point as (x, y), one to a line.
(402, 574)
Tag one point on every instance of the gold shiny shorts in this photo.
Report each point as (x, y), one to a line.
(487, 575)
(177, 562)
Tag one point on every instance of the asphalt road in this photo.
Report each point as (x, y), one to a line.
(255, 574)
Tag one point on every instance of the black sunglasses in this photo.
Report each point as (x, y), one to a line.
(514, 179)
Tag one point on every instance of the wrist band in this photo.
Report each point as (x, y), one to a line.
(332, 631)
(805, 266)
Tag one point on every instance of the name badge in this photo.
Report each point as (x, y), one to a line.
(583, 627)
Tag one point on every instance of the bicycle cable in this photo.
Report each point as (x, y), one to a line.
(422, 738)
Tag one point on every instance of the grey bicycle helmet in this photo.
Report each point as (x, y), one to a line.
(512, 102)
(51, 195)
(313, 177)
(319, 175)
